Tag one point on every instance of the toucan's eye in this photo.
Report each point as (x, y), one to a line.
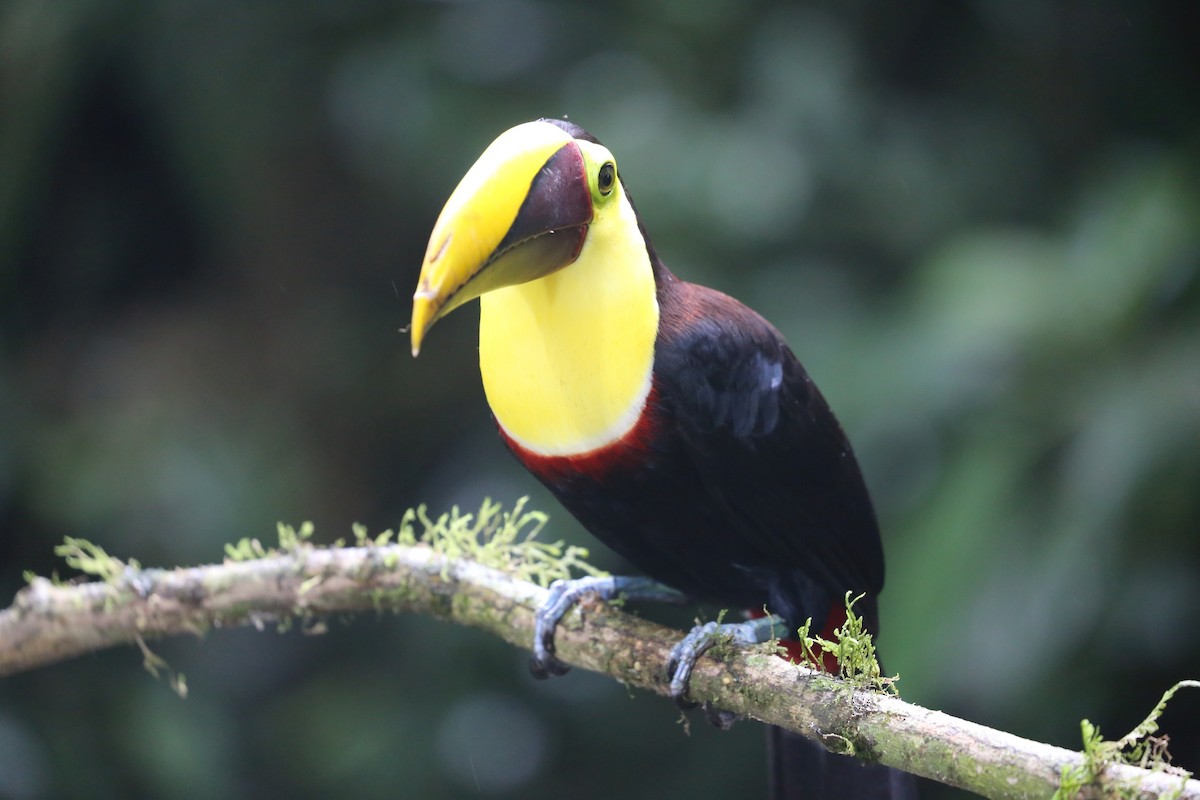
(606, 177)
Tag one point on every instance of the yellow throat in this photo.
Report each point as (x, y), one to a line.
(567, 360)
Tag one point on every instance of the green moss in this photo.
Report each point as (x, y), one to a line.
(854, 647)
(90, 559)
(503, 540)
(836, 743)
(460, 605)
(292, 540)
(1139, 748)
(246, 550)
(156, 665)
(392, 598)
(309, 584)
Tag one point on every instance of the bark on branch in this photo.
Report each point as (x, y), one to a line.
(48, 623)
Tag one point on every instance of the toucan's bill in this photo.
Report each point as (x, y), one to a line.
(520, 213)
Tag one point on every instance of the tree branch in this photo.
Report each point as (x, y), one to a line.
(48, 623)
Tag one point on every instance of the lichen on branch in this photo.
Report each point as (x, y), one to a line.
(487, 570)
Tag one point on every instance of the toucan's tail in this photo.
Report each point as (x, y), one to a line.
(800, 769)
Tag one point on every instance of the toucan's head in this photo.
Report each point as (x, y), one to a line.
(520, 213)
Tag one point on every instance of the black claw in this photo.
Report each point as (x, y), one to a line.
(679, 672)
(547, 668)
(565, 593)
(683, 659)
(686, 652)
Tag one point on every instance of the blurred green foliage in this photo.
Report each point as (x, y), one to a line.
(977, 223)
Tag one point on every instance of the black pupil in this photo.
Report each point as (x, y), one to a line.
(606, 177)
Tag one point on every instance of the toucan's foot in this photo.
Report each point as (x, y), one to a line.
(703, 637)
(564, 594)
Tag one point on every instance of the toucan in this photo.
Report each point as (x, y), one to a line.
(671, 420)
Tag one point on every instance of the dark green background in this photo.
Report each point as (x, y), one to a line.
(978, 224)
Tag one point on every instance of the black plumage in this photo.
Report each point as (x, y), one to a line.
(738, 486)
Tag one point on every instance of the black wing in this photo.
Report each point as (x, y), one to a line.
(769, 451)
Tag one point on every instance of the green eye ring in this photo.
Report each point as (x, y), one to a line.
(606, 178)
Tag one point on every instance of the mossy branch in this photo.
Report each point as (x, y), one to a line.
(50, 622)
